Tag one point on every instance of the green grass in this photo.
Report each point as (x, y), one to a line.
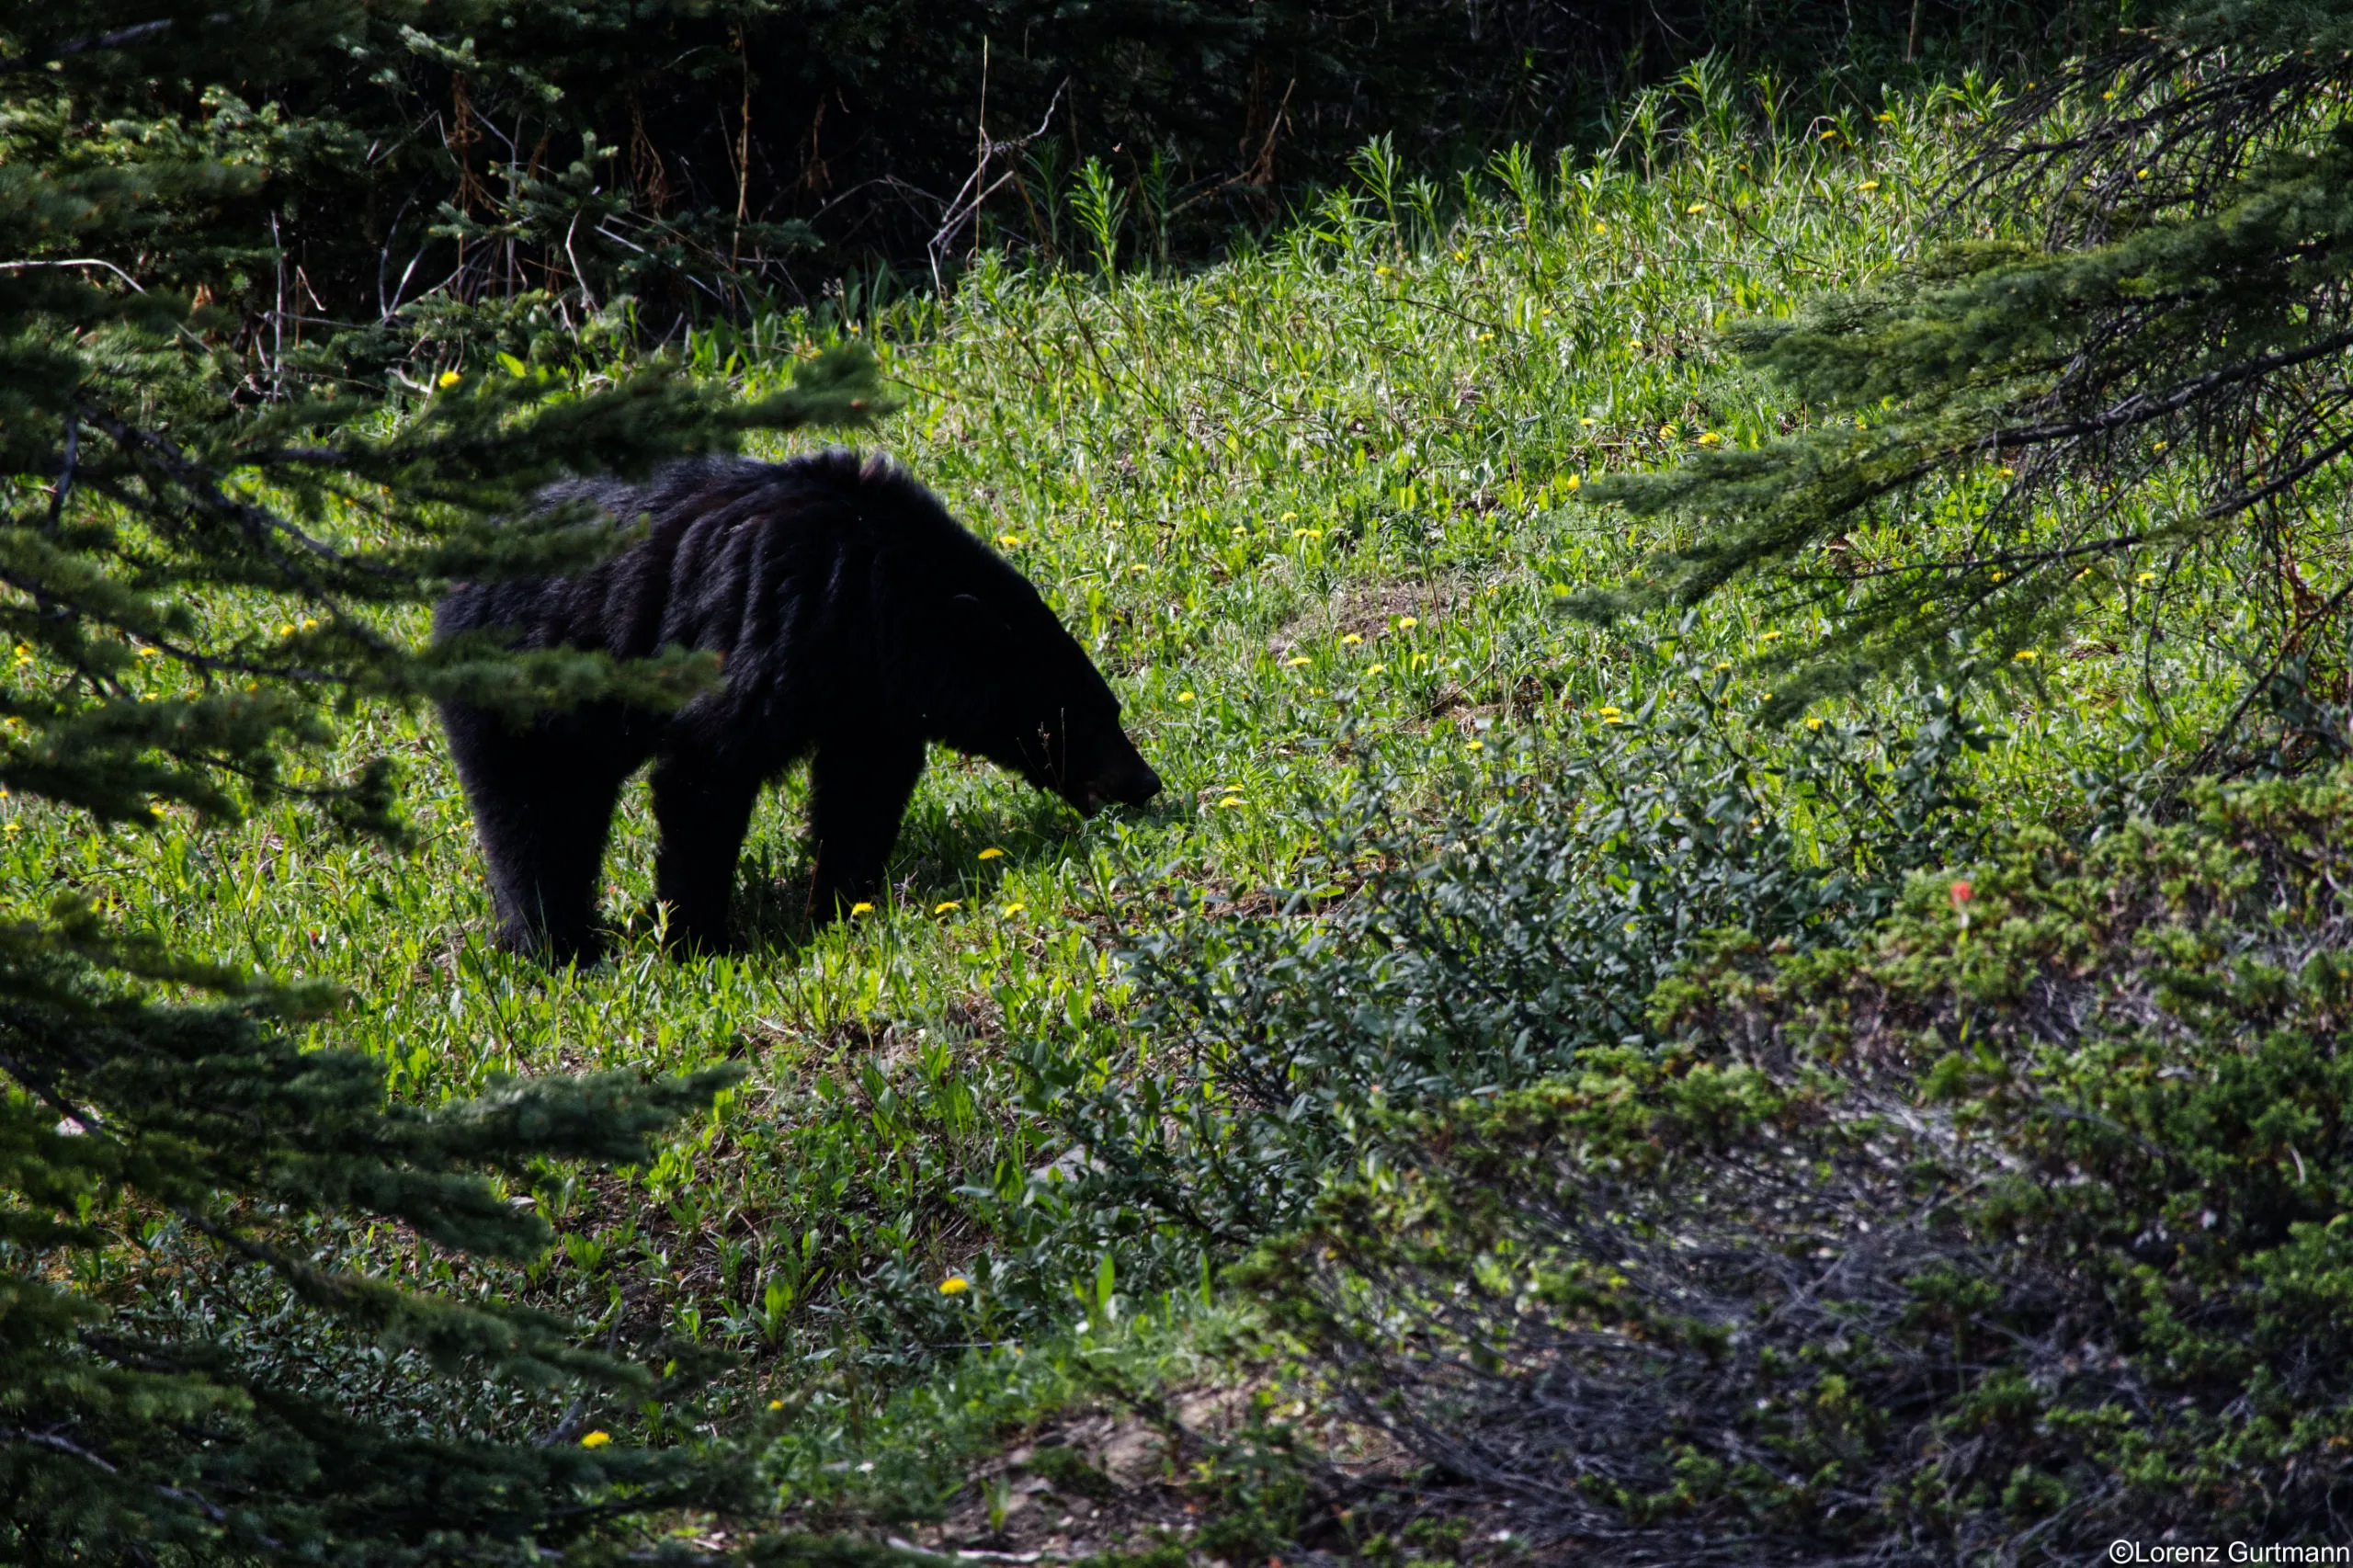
(1331, 483)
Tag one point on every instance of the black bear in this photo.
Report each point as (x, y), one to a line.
(856, 620)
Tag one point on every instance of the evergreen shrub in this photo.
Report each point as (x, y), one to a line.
(215, 545)
(2122, 374)
(2007, 1228)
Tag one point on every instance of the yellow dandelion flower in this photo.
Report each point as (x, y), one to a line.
(954, 1284)
(1009, 540)
(1294, 663)
(1770, 637)
(1232, 803)
(2005, 473)
(1636, 343)
(1184, 696)
(1375, 669)
(451, 378)
(1868, 185)
(287, 629)
(1601, 228)
(1291, 516)
(1666, 432)
(1350, 641)
(1407, 622)
(992, 853)
(945, 905)
(1474, 745)
(596, 1439)
(2024, 657)
(1241, 533)
(2146, 577)
(151, 653)
(1722, 664)
(1887, 119)
(1814, 724)
(1307, 533)
(1573, 484)
(1587, 423)
(1696, 208)
(775, 1404)
(1014, 908)
(15, 828)
(857, 909)
(1710, 439)
(310, 623)
(1610, 711)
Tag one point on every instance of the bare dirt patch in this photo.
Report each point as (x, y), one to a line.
(1366, 608)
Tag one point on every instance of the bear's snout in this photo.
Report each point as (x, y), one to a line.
(1127, 781)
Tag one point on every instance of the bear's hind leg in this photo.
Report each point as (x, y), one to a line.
(858, 786)
(703, 808)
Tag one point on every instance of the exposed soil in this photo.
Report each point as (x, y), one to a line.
(1103, 1479)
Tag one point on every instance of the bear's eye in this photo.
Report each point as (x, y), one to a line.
(976, 616)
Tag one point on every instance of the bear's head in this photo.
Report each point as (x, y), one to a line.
(1026, 696)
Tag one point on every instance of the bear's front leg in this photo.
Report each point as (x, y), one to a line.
(543, 804)
(858, 785)
(703, 807)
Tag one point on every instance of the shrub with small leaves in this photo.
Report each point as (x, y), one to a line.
(1532, 936)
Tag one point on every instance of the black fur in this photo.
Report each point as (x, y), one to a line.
(858, 621)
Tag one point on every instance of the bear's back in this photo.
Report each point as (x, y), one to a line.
(824, 556)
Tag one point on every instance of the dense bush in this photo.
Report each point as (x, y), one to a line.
(1487, 944)
(2014, 1226)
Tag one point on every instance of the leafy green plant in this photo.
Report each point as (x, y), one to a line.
(1101, 207)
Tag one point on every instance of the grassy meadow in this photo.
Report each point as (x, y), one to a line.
(1314, 506)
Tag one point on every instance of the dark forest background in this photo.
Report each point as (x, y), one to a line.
(701, 158)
